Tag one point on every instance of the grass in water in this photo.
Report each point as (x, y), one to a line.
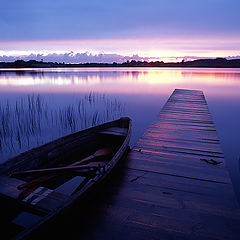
(31, 120)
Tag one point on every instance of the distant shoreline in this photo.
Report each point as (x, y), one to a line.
(201, 63)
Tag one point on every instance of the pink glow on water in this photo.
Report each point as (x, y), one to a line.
(147, 81)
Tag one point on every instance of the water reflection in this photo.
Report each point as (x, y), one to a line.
(144, 90)
(119, 80)
(31, 120)
(65, 76)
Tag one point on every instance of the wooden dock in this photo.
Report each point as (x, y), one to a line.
(175, 184)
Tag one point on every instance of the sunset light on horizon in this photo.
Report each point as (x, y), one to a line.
(155, 49)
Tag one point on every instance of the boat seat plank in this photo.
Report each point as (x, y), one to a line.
(115, 131)
(46, 198)
(70, 186)
(54, 201)
(42, 197)
(26, 219)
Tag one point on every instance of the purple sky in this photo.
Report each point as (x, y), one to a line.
(150, 29)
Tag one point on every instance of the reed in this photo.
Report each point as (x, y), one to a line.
(33, 120)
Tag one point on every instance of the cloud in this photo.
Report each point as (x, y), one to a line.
(71, 57)
(86, 57)
(233, 57)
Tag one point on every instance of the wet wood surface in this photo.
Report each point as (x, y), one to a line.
(174, 184)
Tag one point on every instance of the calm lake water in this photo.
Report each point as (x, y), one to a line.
(38, 105)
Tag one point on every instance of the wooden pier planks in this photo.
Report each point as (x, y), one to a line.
(175, 184)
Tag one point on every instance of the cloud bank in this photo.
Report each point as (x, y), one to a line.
(72, 57)
(86, 57)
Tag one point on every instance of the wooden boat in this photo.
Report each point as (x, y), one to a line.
(41, 183)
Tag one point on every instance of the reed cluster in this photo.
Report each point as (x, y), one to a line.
(32, 120)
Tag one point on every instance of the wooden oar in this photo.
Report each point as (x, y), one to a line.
(99, 153)
(39, 180)
(60, 169)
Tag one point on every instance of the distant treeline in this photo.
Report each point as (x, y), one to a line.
(212, 63)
